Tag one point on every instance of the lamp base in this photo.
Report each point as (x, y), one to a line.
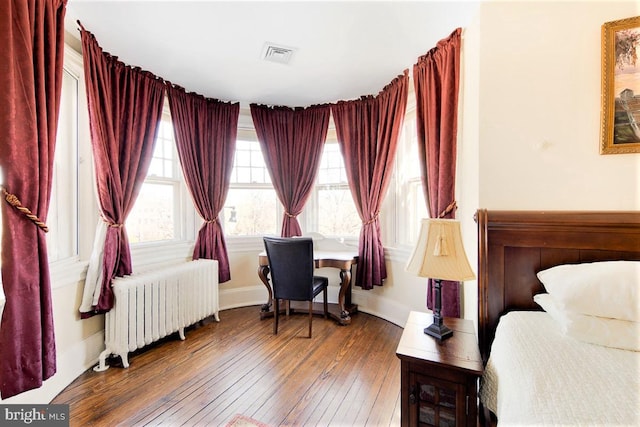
(441, 331)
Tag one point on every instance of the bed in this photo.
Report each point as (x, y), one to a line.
(556, 379)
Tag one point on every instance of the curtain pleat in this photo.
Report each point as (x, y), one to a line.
(291, 140)
(205, 132)
(125, 106)
(31, 58)
(368, 131)
(436, 79)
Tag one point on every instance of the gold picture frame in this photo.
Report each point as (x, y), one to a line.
(620, 124)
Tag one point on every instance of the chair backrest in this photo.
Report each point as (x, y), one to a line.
(291, 267)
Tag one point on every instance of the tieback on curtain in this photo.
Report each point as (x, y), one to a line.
(289, 215)
(211, 221)
(111, 224)
(372, 220)
(13, 200)
(452, 206)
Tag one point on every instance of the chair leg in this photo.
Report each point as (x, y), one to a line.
(276, 313)
(310, 316)
(326, 305)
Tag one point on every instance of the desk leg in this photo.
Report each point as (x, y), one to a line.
(345, 288)
(263, 273)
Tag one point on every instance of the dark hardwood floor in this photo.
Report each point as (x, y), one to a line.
(343, 376)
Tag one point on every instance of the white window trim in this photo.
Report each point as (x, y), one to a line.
(247, 132)
(189, 222)
(71, 270)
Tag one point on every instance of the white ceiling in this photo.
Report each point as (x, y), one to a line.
(343, 49)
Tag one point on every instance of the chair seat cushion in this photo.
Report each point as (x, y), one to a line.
(319, 283)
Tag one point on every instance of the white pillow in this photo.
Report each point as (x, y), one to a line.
(592, 329)
(605, 289)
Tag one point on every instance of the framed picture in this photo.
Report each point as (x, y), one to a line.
(620, 127)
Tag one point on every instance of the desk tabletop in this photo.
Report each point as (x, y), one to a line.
(323, 258)
(327, 249)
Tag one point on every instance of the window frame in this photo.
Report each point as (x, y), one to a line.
(65, 177)
(404, 207)
(309, 219)
(248, 133)
(185, 216)
(68, 270)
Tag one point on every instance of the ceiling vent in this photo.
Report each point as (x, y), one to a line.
(277, 53)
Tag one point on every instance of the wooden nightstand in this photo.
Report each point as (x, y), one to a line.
(439, 380)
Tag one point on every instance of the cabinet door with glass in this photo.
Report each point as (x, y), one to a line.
(434, 402)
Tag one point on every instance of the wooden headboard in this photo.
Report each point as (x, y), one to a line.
(514, 245)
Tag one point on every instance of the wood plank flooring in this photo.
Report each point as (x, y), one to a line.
(343, 376)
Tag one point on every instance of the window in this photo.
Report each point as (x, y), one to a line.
(252, 206)
(331, 209)
(412, 207)
(157, 213)
(62, 219)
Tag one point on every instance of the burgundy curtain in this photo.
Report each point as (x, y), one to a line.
(125, 106)
(368, 131)
(436, 77)
(31, 57)
(205, 131)
(291, 142)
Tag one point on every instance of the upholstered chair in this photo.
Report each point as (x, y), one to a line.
(292, 267)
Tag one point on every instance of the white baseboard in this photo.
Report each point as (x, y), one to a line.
(242, 297)
(71, 363)
(385, 308)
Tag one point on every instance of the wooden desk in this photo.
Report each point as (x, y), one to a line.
(342, 260)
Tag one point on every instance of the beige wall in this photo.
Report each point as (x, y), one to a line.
(539, 109)
(531, 118)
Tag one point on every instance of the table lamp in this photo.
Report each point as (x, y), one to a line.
(439, 255)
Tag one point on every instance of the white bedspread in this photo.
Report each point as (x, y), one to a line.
(537, 376)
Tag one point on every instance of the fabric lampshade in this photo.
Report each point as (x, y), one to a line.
(439, 253)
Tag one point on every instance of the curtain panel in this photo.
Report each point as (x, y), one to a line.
(125, 106)
(291, 140)
(205, 132)
(32, 39)
(368, 131)
(436, 80)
